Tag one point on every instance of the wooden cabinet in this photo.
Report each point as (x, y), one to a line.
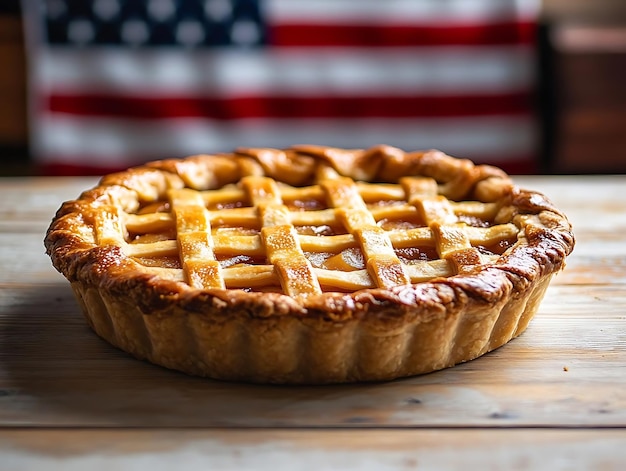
(12, 81)
(589, 86)
(586, 44)
(13, 101)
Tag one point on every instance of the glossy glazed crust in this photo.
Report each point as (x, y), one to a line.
(372, 334)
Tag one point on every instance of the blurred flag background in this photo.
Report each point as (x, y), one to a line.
(114, 83)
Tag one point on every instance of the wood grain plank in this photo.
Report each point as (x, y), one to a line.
(277, 450)
(596, 207)
(568, 369)
(28, 204)
(23, 259)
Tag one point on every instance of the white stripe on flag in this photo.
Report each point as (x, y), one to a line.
(228, 73)
(430, 12)
(96, 140)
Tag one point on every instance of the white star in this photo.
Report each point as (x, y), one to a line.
(80, 31)
(106, 10)
(134, 32)
(189, 33)
(55, 8)
(245, 33)
(218, 10)
(161, 10)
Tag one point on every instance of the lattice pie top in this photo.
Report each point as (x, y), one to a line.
(334, 235)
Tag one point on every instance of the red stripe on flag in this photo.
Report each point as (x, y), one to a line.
(347, 35)
(132, 107)
(56, 168)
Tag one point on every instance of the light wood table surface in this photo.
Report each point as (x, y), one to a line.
(554, 398)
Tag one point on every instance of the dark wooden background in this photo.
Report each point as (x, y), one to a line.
(582, 67)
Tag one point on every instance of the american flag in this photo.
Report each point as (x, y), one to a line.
(117, 82)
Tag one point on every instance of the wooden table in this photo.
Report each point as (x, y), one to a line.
(555, 398)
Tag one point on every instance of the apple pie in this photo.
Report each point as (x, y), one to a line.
(311, 264)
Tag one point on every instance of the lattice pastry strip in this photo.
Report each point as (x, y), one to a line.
(280, 238)
(193, 228)
(108, 227)
(382, 263)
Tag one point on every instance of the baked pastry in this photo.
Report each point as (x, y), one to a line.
(309, 265)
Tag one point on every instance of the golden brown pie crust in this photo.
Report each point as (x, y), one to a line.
(403, 318)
